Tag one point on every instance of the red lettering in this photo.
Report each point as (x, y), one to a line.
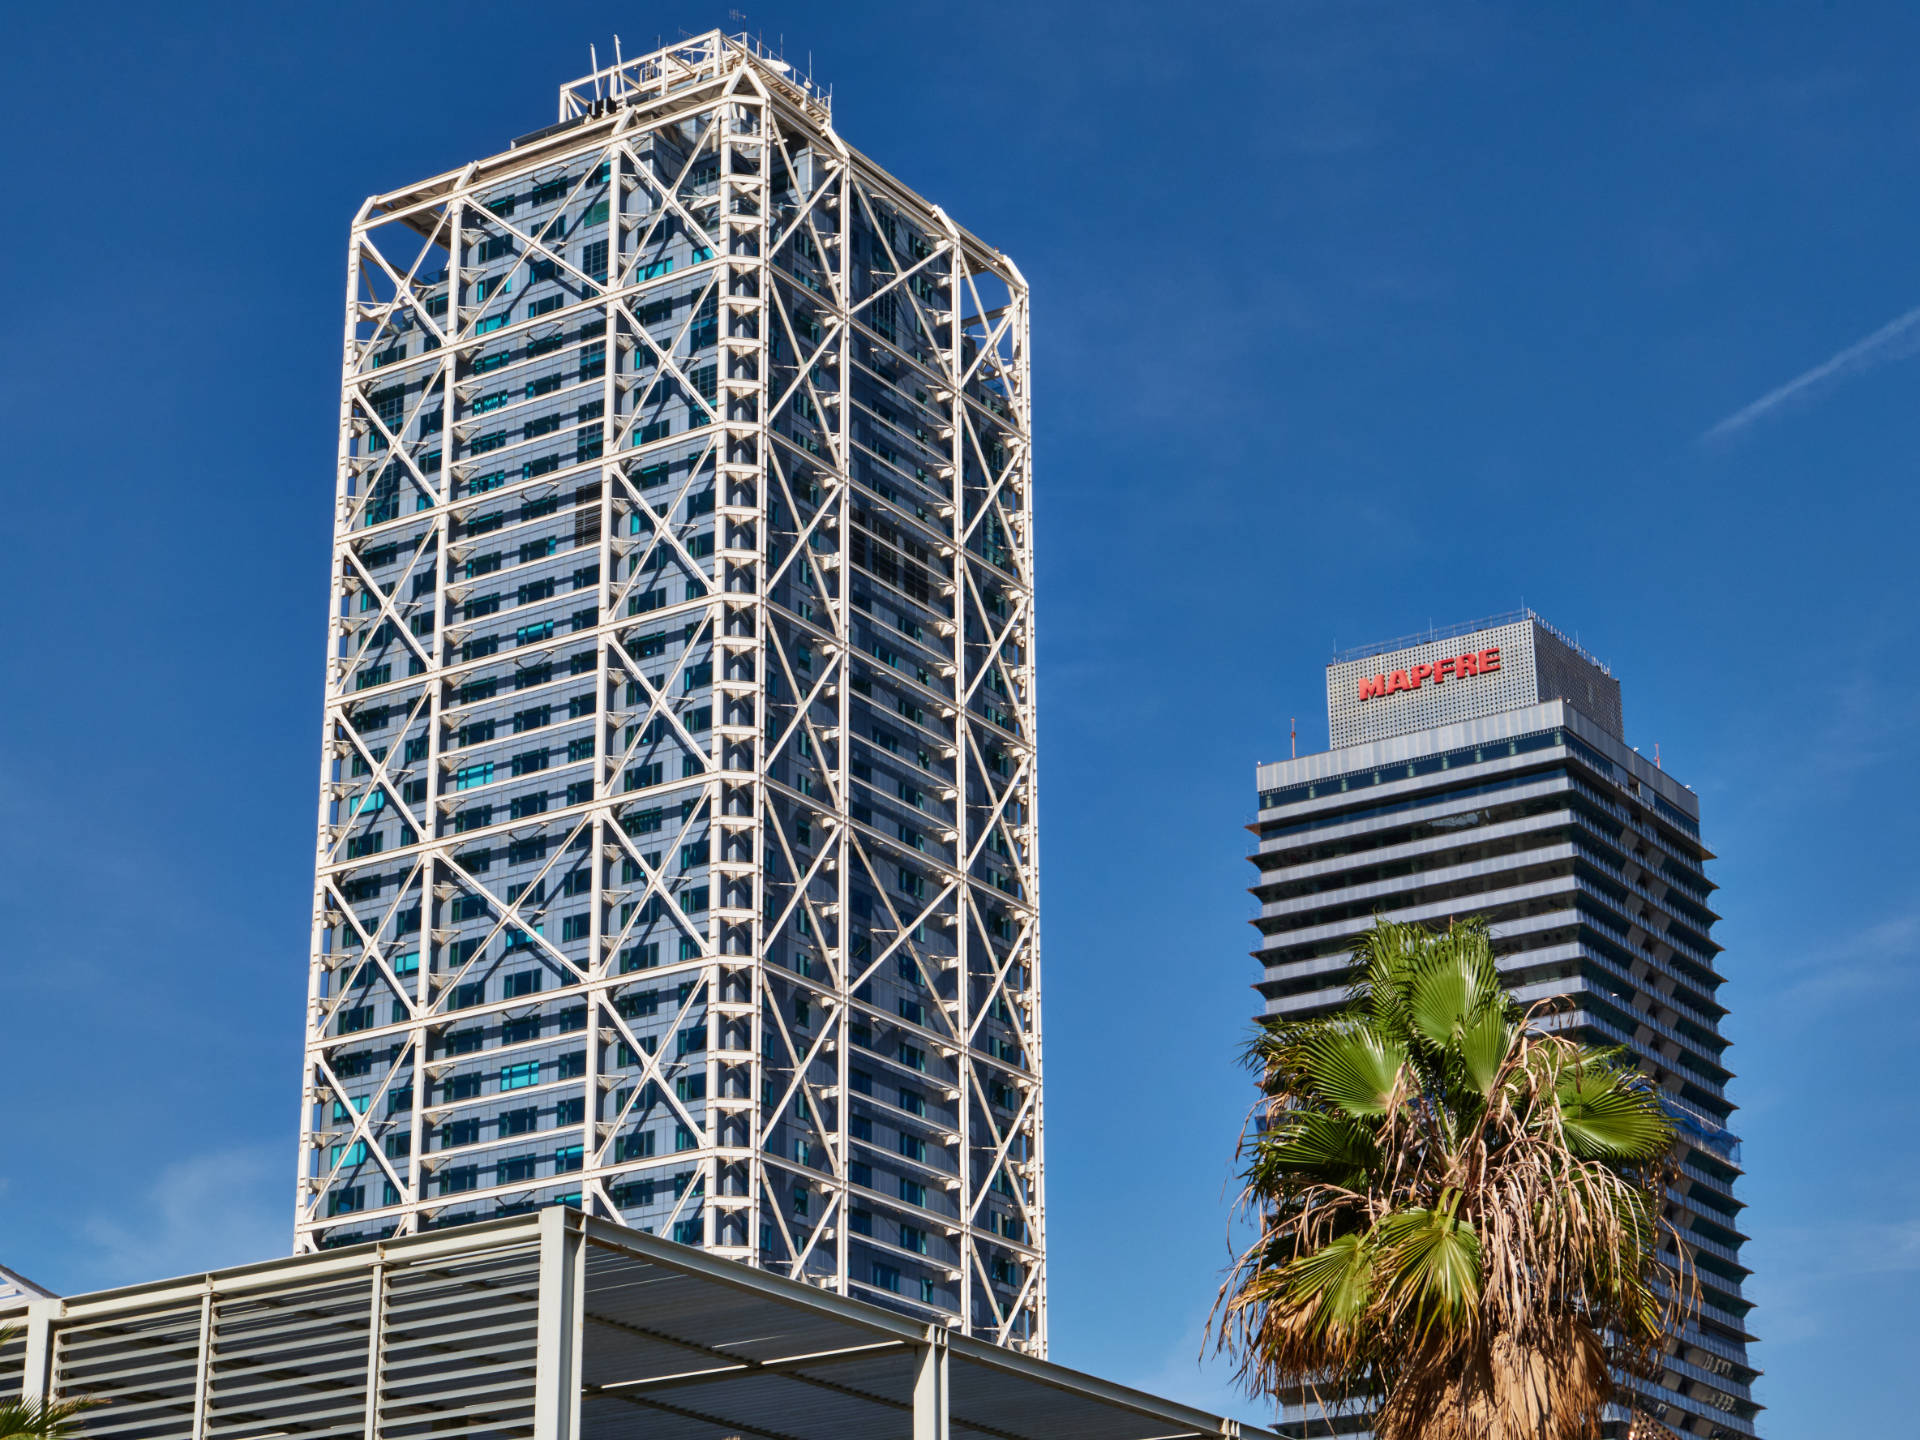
(1458, 667)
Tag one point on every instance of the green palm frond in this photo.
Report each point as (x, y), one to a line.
(1333, 1285)
(41, 1419)
(1608, 1114)
(1452, 986)
(1384, 958)
(1324, 1148)
(1354, 1067)
(1430, 1265)
(1455, 1205)
(1484, 1045)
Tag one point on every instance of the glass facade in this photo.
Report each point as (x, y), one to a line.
(1594, 880)
(677, 845)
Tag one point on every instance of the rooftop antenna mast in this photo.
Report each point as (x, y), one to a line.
(613, 85)
(593, 64)
(1293, 738)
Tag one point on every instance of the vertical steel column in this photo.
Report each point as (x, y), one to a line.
(203, 1362)
(36, 1374)
(556, 1382)
(966, 1073)
(1022, 408)
(376, 1326)
(747, 115)
(930, 1387)
(840, 779)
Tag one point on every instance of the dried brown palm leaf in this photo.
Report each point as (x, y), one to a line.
(1458, 1210)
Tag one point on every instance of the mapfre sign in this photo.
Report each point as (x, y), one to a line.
(1458, 667)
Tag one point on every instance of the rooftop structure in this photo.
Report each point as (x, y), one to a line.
(15, 1288)
(548, 1327)
(677, 851)
(1533, 661)
(1482, 770)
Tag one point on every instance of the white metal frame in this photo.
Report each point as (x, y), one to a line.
(777, 714)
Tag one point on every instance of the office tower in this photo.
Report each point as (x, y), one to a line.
(677, 851)
(1483, 770)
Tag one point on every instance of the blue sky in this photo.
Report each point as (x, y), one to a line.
(1348, 317)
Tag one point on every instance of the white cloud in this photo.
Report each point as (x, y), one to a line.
(1895, 340)
(1806, 1276)
(1829, 1252)
(202, 1212)
(1869, 965)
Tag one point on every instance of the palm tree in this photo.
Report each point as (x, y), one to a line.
(1458, 1211)
(40, 1419)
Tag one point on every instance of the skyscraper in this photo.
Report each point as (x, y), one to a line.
(1483, 770)
(677, 838)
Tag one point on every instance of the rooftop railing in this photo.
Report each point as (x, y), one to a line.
(1450, 632)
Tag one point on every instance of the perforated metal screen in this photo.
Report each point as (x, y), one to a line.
(1352, 720)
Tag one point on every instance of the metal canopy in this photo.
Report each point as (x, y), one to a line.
(550, 1327)
(681, 1346)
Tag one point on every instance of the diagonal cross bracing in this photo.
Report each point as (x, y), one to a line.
(677, 850)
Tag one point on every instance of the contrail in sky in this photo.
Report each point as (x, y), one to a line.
(1895, 340)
